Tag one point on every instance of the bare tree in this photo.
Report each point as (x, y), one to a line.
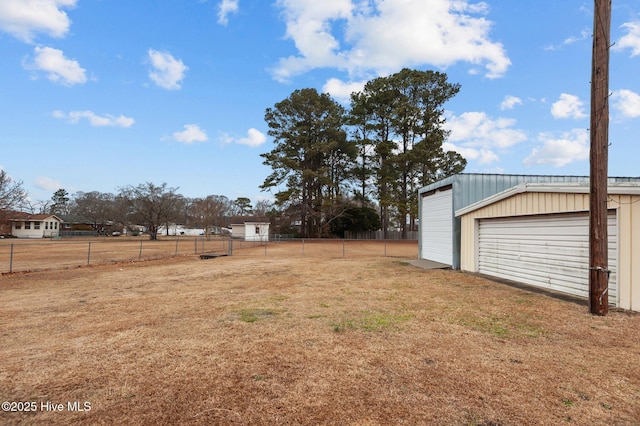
(152, 205)
(209, 211)
(263, 207)
(12, 195)
(99, 207)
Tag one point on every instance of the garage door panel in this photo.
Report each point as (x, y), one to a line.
(530, 262)
(522, 270)
(550, 251)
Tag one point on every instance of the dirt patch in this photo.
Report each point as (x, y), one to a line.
(307, 339)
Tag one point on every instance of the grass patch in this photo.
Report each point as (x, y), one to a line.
(317, 316)
(502, 326)
(372, 321)
(253, 315)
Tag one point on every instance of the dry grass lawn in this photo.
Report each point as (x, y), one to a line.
(315, 339)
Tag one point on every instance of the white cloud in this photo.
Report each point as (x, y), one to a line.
(510, 102)
(631, 40)
(58, 68)
(559, 151)
(477, 136)
(226, 8)
(627, 102)
(584, 34)
(167, 71)
(481, 156)
(48, 184)
(254, 138)
(568, 106)
(478, 129)
(24, 18)
(191, 133)
(95, 120)
(385, 36)
(342, 91)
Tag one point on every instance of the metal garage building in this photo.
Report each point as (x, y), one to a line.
(538, 234)
(439, 238)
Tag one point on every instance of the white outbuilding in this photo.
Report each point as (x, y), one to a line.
(538, 234)
(250, 228)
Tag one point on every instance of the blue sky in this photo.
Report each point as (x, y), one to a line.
(99, 94)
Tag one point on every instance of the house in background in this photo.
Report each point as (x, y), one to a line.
(250, 228)
(77, 226)
(26, 225)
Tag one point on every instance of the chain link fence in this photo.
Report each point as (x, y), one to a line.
(51, 254)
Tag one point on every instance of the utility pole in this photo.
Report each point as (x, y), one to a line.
(598, 238)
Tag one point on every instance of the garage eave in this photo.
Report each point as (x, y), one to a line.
(632, 188)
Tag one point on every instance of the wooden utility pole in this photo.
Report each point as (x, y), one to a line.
(598, 238)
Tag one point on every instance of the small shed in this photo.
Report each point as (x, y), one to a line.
(439, 236)
(250, 228)
(26, 225)
(538, 234)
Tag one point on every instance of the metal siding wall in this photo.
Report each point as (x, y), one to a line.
(548, 251)
(629, 249)
(634, 255)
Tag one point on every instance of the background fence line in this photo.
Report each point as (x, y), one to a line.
(29, 255)
(380, 235)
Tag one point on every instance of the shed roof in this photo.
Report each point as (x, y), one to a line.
(241, 220)
(75, 218)
(621, 188)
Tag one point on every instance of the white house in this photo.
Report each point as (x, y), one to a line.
(25, 225)
(250, 228)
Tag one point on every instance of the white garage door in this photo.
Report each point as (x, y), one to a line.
(549, 251)
(436, 224)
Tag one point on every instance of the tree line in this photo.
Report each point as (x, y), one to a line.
(333, 169)
(147, 204)
(329, 160)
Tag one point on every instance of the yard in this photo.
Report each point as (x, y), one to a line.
(287, 337)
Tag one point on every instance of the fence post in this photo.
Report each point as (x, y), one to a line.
(11, 260)
(195, 246)
(140, 252)
(89, 254)
(230, 245)
(177, 247)
(385, 248)
(343, 247)
(303, 246)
